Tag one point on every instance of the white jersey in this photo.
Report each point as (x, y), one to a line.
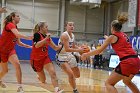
(64, 56)
(71, 41)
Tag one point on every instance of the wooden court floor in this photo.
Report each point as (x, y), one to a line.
(91, 81)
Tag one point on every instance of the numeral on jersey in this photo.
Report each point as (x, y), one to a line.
(44, 49)
(127, 39)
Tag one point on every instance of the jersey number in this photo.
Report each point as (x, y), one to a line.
(127, 39)
(44, 49)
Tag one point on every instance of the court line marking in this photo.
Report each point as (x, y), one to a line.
(42, 88)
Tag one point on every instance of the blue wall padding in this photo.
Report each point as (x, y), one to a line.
(52, 52)
(24, 53)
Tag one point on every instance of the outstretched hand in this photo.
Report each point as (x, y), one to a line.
(105, 36)
(48, 35)
(31, 47)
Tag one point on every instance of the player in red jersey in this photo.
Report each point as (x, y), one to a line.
(39, 55)
(130, 63)
(9, 38)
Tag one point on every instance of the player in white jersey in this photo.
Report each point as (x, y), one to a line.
(65, 58)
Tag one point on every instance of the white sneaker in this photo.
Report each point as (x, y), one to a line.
(59, 91)
(2, 84)
(20, 90)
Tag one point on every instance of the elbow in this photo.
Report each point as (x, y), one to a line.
(17, 35)
(36, 46)
(19, 44)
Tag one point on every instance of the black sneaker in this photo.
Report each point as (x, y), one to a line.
(75, 91)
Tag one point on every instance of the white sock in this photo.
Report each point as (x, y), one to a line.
(56, 89)
(19, 85)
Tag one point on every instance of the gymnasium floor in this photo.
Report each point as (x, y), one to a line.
(91, 81)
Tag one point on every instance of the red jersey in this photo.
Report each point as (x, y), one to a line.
(8, 39)
(41, 52)
(123, 47)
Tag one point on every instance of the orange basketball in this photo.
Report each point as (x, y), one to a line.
(86, 49)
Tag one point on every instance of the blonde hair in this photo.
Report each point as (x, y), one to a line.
(121, 19)
(38, 26)
(9, 18)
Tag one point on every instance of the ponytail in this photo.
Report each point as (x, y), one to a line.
(36, 29)
(9, 18)
(38, 26)
(121, 19)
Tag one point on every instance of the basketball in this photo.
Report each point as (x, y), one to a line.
(86, 49)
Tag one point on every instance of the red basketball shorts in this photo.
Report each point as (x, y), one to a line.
(5, 56)
(128, 66)
(38, 65)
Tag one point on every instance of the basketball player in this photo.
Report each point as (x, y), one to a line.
(39, 55)
(130, 63)
(65, 58)
(9, 38)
